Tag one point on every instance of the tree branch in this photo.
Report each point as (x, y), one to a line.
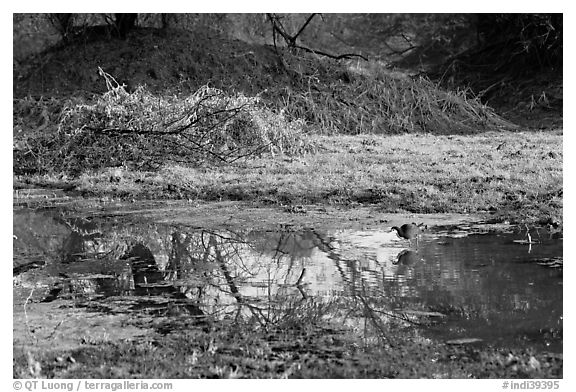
(304, 26)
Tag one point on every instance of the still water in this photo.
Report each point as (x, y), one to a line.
(455, 283)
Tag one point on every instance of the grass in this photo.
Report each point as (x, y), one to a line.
(368, 98)
(236, 351)
(516, 176)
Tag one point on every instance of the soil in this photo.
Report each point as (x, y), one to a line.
(217, 215)
(195, 59)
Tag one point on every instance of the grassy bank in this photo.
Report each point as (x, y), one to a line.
(236, 349)
(513, 176)
(244, 354)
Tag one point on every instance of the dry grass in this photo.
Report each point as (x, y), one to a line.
(515, 175)
(143, 131)
(367, 98)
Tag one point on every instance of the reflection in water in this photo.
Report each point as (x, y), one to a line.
(145, 272)
(485, 285)
(407, 257)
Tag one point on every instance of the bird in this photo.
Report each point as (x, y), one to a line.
(408, 231)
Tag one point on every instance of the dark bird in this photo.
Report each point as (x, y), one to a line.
(408, 231)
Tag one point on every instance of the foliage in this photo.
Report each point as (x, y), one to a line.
(176, 112)
(143, 131)
(521, 43)
(386, 37)
(517, 58)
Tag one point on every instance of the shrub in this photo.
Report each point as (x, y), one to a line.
(144, 131)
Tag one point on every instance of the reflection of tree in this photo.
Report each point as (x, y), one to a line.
(357, 303)
(285, 279)
(145, 272)
(379, 315)
(259, 277)
(218, 267)
(224, 268)
(264, 315)
(263, 279)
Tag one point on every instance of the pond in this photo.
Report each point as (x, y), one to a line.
(459, 284)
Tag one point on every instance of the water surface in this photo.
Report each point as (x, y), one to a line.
(456, 283)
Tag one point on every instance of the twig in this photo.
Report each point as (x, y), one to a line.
(55, 328)
(26, 316)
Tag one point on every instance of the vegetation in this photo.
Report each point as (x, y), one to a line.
(428, 114)
(261, 140)
(279, 336)
(143, 131)
(235, 351)
(212, 146)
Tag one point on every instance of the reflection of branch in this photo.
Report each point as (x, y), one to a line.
(299, 284)
(299, 281)
(224, 268)
(235, 252)
(402, 317)
(230, 281)
(301, 290)
(321, 242)
(223, 237)
(369, 312)
(227, 253)
(282, 241)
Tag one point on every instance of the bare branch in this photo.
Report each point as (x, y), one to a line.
(277, 27)
(345, 56)
(304, 26)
